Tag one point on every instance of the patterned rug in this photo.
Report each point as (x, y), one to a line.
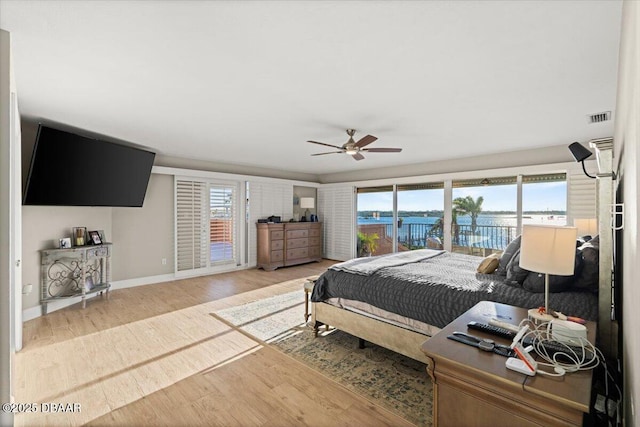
(384, 377)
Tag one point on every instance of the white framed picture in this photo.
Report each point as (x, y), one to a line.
(64, 243)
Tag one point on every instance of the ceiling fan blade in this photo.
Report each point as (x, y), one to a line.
(365, 140)
(322, 143)
(330, 152)
(357, 156)
(382, 150)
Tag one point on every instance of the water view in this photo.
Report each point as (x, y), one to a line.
(492, 231)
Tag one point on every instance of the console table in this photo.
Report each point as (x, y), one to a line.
(472, 387)
(73, 272)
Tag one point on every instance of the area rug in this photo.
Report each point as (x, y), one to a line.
(384, 377)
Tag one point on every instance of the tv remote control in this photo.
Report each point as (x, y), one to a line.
(501, 324)
(492, 329)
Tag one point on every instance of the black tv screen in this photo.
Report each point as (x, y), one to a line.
(73, 170)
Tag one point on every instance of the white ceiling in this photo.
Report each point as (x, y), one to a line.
(249, 82)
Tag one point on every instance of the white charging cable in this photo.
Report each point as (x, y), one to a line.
(582, 356)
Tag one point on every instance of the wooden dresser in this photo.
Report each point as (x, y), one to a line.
(289, 243)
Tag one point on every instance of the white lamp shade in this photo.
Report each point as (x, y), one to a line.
(586, 226)
(307, 202)
(548, 249)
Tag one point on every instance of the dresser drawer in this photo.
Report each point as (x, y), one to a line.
(314, 241)
(277, 256)
(277, 245)
(277, 235)
(297, 253)
(315, 252)
(315, 232)
(296, 234)
(297, 243)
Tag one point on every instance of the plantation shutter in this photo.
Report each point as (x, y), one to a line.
(222, 229)
(191, 224)
(266, 199)
(581, 197)
(336, 210)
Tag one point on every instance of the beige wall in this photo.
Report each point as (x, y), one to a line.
(627, 145)
(42, 226)
(142, 237)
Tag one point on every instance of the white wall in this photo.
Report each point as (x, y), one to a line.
(627, 146)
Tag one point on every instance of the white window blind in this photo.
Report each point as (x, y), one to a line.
(266, 199)
(581, 197)
(191, 224)
(336, 209)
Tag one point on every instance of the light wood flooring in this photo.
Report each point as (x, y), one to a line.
(153, 355)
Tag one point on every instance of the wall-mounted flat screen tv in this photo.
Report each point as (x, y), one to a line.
(73, 170)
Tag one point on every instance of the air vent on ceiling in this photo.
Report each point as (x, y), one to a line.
(599, 117)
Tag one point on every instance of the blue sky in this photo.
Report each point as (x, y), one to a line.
(535, 197)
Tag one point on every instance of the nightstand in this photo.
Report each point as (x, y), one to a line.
(474, 388)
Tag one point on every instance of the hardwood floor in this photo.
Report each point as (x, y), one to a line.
(153, 355)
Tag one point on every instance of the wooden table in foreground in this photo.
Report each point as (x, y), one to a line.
(472, 387)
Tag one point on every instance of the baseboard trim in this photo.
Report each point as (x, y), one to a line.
(140, 281)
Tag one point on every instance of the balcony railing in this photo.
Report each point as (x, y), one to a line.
(414, 236)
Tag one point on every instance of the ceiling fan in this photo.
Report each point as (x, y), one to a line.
(356, 148)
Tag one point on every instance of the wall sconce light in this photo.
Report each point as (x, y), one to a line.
(580, 153)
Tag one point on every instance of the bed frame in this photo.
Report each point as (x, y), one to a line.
(408, 342)
(396, 338)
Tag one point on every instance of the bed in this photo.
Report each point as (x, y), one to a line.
(400, 300)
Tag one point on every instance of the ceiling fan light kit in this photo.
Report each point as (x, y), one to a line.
(355, 149)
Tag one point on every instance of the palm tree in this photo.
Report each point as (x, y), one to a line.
(468, 206)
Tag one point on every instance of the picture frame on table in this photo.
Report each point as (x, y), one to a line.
(64, 243)
(102, 236)
(94, 237)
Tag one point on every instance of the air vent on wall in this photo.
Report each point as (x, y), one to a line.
(599, 117)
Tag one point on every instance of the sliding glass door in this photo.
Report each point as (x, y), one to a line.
(420, 216)
(375, 221)
(484, 215)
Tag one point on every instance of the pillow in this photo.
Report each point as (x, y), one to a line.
(515, 273)
(588, 277)
(508, 253)
(489, 264)
(534, 282)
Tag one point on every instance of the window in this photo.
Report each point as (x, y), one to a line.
(544, 199)
(420, 216)
(375, 221)
(222, 229)
(484, 215)
(206, 225)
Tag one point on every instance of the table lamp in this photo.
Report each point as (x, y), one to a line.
(549, 250)
(307, 203)
(586, 226)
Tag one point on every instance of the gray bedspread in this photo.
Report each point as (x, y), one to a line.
(439, 289)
